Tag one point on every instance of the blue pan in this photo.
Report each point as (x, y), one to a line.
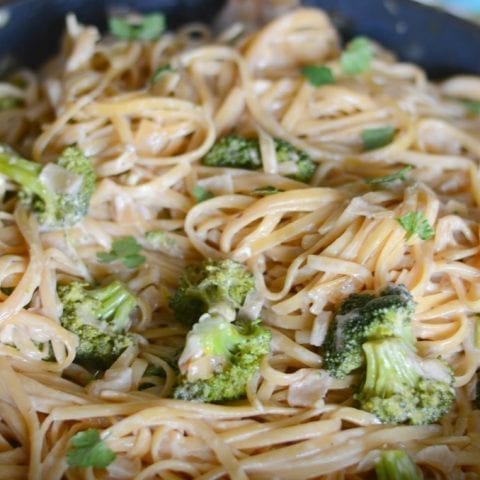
(440, 42)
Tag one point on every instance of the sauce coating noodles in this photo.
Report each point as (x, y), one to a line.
(308, 246)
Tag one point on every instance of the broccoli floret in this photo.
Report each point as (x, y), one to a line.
(220, 358)
(400, 387)
(58, 193)
(100, 318)
(363, 317)
(237, 152)
(211, 286)
(304, 165)
(397, 465)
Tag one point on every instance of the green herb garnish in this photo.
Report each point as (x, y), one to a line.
(88, 450)
(126, 250)
(472, 106)
(318, 75)
(267, 190)
(160, 71)
(200, 194)
(7, 103)
(416, 223)
(373, 138)
(357, 56)
(399, 175)
(149, 27)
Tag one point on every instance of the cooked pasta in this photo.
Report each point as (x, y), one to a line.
(309, 246)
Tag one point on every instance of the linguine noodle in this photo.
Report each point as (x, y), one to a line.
(308, 246)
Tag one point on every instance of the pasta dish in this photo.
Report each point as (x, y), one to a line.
(245, 255)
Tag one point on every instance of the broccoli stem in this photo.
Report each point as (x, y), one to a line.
(397, 465)
(389, 367)
(26, 174)
(115, 300)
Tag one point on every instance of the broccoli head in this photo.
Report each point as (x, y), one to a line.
(304, 167)
(397, 465)
(220, 358)
(363, 317)
(211, 286)
(57, 193)
(100, 318)
(235, 152)
(238, 152)
(401, 387)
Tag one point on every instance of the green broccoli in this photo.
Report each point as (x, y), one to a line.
(100, 318)
(8, 103)
(397, 465)
(220, 358)
(212, 286)
(400, 387)
(58, 193)
(235, 152)
(304, 165)
(363, 317)
(238, 152)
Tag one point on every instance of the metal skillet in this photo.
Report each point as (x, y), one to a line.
(440, 42)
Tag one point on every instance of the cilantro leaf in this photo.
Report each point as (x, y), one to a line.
(398, 175)
(416, 223)
(160, 71)
(267, 190)
(126, 249)
(149, 27)
(318, 75)
(88, 450)
(152, 27)
(133, 261)
(200, 194)
(472, 106)
(373, 138)
(119, 28)
(106, 257)
(125, 246)
(357, 56)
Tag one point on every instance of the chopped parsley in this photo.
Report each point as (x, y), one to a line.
(415, 223)
(357, 56)
(125, 250)
(318, 75)
(267, 190)
(200, 194)
(373, 138)
(88, 450)
(148, 27)
(160, 71)
(398, 175)
(7, 103)
(472, 106)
